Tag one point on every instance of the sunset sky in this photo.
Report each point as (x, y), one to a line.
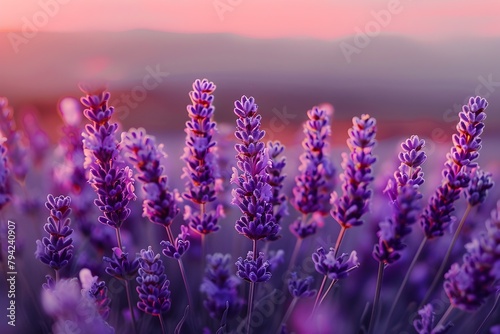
(321, 19)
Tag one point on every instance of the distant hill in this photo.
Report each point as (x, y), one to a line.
(393, 78)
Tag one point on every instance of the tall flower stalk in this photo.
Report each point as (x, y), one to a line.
(406, 205)
(112, 183)
(201, 168)
(56, 250)
(314, 184)
(465, 150)
(349, 208)
(252, 195)
(160, 205)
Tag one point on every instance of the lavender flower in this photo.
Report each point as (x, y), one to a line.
(426, 322)
(253, 271)
(56, 250)
(180, 246)
(349, 208)
(72, 311)
(5, 195)
(113, 184)
(276, 178)
(38, 139)
(200, 157)
(468, 285)
(300, 288)
(465, 150)
(96, 290)
(153, 286)
(253, 193)
(406, 199)
(160, 205)
(335, 268)
(119, 265)
(220, 287)
(313, 185)
(478, 188)
(17, 151)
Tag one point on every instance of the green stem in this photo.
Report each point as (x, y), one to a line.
(446, 257)
(374, 316)
(405, 280)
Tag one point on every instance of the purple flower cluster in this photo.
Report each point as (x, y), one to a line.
(5, 193)
(465, 150)
(252, 269)
(300, 288)
(406, 202)
(56, 250)
(425, 324)
(113, 184)
(334, 267)
(160, 205)
(97, 291)
(253, 193)
(348, 208)
(119, 265)
(468, 285)
(180, 245)
(220, 287)
(276, 178)
(153, 286)
(478, 188)
(200, 157)
(17, 151)
(314, 184)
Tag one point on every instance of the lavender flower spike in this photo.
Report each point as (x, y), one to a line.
(300, 288)
(349, 208)
(153, 286)
(220, 287)
(5, 195)
(253, 193)
(160, 205)
(276, 178)
(468, 285)
(253, 270)
(334, 268)
(56, 250)
(200, 157)
(478, 188)
(113, 184)
(406, 198)
(465, 150)
(314, 184)
(425, 324)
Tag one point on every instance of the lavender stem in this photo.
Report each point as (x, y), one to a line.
(251, 293)
(288, 313)
(489, 314)
(322, 286)
(446, 257)
(445, 316)
(405, 280)
(162, 324)
(181, 268)
(374, 316)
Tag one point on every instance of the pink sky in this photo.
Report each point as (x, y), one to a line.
(323, 19)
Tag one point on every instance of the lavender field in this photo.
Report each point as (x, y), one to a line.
(233, 233)
(249, 167)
